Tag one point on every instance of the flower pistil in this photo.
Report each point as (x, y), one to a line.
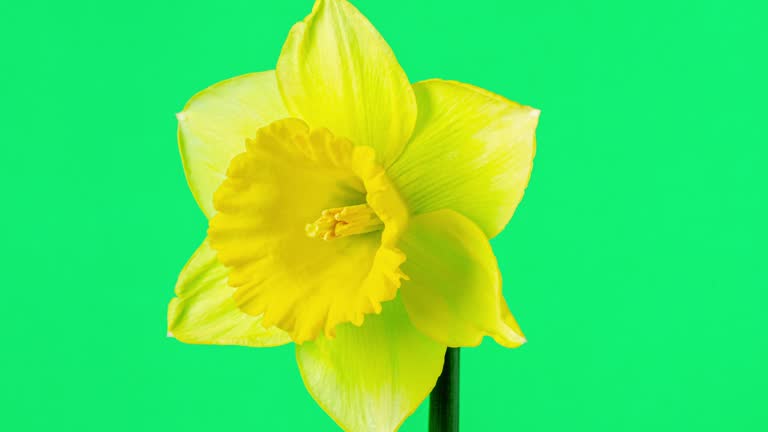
(344, 221)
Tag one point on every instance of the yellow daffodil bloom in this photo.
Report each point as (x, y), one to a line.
(349, 212)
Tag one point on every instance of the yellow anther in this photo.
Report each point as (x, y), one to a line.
(344, 221)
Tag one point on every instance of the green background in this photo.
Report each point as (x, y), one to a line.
(636, 263)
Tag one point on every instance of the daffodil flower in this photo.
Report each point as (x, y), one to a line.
(350, 212)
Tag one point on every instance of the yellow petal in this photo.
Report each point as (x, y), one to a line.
(205, 313)
(285, 180)
(454, 292)
(472, 152)
(336, 71)
(371, 378)
(215, 123)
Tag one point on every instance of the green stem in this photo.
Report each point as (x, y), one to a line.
(444, 400)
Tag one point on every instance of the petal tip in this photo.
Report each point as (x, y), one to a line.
(533, 113)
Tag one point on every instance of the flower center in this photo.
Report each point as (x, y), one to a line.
(344, 221)
(285, 178)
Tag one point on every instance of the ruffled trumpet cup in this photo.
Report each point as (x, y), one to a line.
(349, 212)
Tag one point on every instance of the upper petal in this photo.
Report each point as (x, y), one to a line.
(336, 71)
(454, 292)
(215, 123)
(205, 313)
(371, 378)
(471, 151)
